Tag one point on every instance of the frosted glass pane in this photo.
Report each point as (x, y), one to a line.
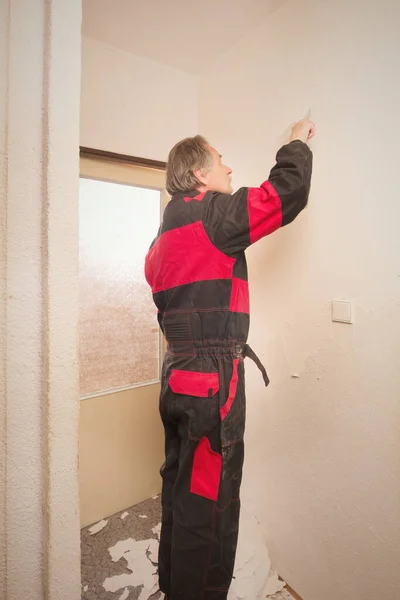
(118, 336)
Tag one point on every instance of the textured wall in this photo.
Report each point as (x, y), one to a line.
(4, 26)
(25, 541)
(323, 454)
(61, 297)
(39, 126)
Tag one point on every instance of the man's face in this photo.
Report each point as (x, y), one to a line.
(218, 178)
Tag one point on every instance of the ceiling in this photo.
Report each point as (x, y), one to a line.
(183, 34)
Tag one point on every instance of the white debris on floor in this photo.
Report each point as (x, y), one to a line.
(274, 584)
(142, 516)
(282, 595)
(125, 595)
(97, 527)
(252, 564)
(157, 530)
(253, 577)
(124, 515)
(141, 558)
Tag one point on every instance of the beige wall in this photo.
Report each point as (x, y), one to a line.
(323, 450)
(121, 451)
(134, 105)
(39, 402)
(4, 41)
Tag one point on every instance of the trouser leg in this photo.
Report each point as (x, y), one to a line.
(205, 494)
(169, 472)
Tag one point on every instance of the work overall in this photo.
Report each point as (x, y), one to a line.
(197, 270)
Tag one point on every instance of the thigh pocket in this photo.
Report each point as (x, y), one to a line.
(193, 383)
(196, 400)
(206, 471)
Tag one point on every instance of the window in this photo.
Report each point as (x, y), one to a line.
(120, 342)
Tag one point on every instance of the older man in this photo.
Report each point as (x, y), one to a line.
(197, 271)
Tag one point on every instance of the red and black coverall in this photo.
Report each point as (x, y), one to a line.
(197, 271)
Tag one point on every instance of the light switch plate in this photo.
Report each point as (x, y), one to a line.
(342, 312)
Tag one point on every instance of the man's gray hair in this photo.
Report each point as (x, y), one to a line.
(187, 156)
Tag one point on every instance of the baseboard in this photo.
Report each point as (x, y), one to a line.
(293, 593)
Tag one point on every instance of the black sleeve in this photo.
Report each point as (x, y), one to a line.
(234, 221)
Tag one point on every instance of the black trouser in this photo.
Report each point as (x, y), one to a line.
(203, 408)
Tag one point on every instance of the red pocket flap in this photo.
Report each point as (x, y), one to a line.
(206, 472)
(192, 383)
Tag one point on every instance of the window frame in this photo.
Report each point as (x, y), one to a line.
(90, 160)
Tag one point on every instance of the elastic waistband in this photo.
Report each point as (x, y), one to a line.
(218, 348)
(207, 348)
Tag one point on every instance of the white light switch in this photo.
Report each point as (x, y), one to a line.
(342, 312)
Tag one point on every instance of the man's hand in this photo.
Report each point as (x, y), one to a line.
(303, 130)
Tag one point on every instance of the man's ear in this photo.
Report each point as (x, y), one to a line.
(200, 175)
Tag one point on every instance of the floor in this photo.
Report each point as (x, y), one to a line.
(119, 556)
